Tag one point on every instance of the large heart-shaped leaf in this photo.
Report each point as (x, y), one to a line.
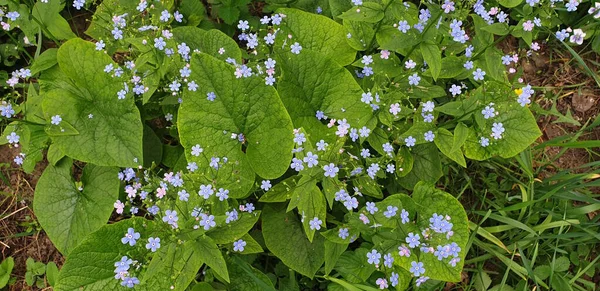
(69, 214)
(312, 82)
(96, 126)
(245, 107)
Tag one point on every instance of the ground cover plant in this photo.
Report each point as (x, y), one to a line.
(301, 145)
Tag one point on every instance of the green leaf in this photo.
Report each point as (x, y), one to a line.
(67, 214)
(6, 268)
(390, 38)
(299, 253)
(174, 265)
(461, 131)
(521, 130)
(337, 94)
(229, 14)
(234, 230)
(370, 12)
(433, 56)
(193, 12)
(242, 106)
(90, 266)
(44, 61)
(48, 14)
(318, 33)
(252, 246)
(452, 67)
(444, 140)
(208, 42)
(153, 149)
(102, 24)
(430, 200)
(497, 28)
(281, 192)
(353, 266)
(361, 34)
(333, 251)
(311, 204)
(426, 166)
(113, 136)
(51, 273)
(211, 255)
(510, 3)
(244, 277)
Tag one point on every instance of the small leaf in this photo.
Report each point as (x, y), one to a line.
(433, 56)
(299, 253)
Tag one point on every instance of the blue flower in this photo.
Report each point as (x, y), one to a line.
(421, 280)
(206, 191)
(497, 130)
(207, 221)
(413, 240)
(238, 246)
(468, 65)
(321, 145)
(315, 223)
(331, 170)
(210, 96)
(311, 159)
(414, 79)
(56, 119)
(366, 97)
(478, 75)
(343, 233)
(183, 195)
(388, 260)
(410, 141)
(159, 43)
(373, 257)
(417, 268)
(165, 15)
(197, 150)
(351, 203)
(130, 282)
(265, 185)
(154, 210)
(243, 25)
(231, 216)
(429, 136)
(371, 208)
(391, 211)
(13, 138)
(364, 131)
(484, 142)
(387, 147)
(153, 244)
(394, 279)
(404, 216)
(373, 169)
(130, 237)
(296, 48)
(123, 264)
(297, 164)
(299, 138)
(223, 194)
(171, 217)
